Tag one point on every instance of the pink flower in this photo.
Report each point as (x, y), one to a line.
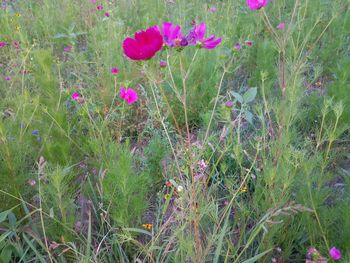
(335, 253)
(237, 46)
(115, 70)
(249, 43)
(212, 9)
(172, 35)
(75, 96)
(99, 7)
(281, 26)
(196, 37)
(16, 44)
(144, 45)
(68, 49)
(256, 4)
(129, 95)
(107, 14)
(8, 78)
(162, 63)
(2, 44)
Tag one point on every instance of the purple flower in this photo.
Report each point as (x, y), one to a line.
(237, 46)
(99, 7)
(335, 253)
(229, 104)
(162, 63)
(172, 35)
(197, 37)
(107, 14)
(212, 9)
(7, 78)
(35, 132)
(68, 49)
(281, 26)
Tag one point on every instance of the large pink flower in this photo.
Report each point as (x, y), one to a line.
(129, 95)
(256, 4)
(197, 37)
(144, 45)
(172, 35)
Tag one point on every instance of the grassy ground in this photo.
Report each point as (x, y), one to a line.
(229, 155)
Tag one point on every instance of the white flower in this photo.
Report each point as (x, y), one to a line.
(180, 188)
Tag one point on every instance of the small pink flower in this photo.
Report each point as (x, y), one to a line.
(212, 9)
(16, 44)
(256, 4)
(99, 7)
(2, 44)
(202, 165)
(8, 78)
(115, 70)
(162, 63)
(281, 26)
(249, 43)
(32, 182)
(129, 95)
(68, 49)
(75, 96)
(335, 253)
(197, 37)
(237, 46)
(107, 14)
(229, 104)
(93, 1)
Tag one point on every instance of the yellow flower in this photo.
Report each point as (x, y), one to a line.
(166, 196)
(18, 14)
(18, 28)
(147, 226)
(244, 189)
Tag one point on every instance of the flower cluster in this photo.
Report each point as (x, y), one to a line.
(147, 43)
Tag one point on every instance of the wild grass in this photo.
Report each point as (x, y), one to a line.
(181, 175)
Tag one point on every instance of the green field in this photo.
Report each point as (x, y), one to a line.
(175, 131)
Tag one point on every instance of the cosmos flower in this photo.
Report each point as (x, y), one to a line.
(115, 70)
(75, 96)
(129, 95)
(335, 253)
(172, 35)
(68, 49)
(249, 43)
(99, 7)
(256, 4)
(197, 37)
(107, 14)
(144, 45)
(3, 44)
(281, 26)
(237, 46)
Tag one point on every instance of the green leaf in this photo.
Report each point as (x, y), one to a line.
(237, 96)
(249, 116)
(6, 254)
(257, 257)
(250, 95)
(3, 215)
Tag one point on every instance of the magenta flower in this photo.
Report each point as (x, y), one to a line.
(256, 4)
(129, 95)
(144, 45)
(8, 78)
(197, 37)
(335, 253)
(99, 7)
(16, 44)
(2, 44)
(75, 96)
(229, 104)
(68, 49)
(281, 26)
(115, 70)
(212, 9)
(172, 35)
(107, 14)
